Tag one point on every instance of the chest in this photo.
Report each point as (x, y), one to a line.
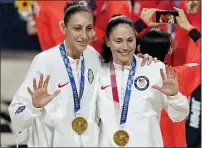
(60, 80)
(143, 98)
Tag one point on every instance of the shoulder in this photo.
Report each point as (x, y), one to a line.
(48, 54)
(92, 57)
(104, 70)
(157, 65)
(90, 51)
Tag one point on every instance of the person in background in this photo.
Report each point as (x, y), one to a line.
(50, 11)
(193, 123)
(43, 17)
(174, 133)
(183, 47)
(139, 5)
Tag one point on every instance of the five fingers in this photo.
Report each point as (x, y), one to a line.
(40, 85)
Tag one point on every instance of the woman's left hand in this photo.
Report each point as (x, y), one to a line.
(147, 59)
(170, 82)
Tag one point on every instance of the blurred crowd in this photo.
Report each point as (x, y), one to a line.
(41, 20)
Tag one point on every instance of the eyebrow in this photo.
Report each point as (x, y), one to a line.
(89, 25)
(120, 38)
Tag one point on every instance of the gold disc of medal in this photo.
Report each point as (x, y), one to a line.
(79, 125)
(121, 137)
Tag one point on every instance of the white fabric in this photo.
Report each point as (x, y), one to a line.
(51, 125)
(144, 108)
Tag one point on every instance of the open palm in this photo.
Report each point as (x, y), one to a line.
(40, 95)
(170, 82)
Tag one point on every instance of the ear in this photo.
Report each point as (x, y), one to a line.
(170, 50)
(62, 27)
(107, 41)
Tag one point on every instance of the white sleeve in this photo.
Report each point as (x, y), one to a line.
(21, 111)
(176, 106)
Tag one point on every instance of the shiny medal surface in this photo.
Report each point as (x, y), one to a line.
(121, 137)
(79, 125)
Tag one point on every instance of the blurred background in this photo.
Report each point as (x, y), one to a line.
(29, 28)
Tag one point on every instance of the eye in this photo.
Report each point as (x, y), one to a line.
(118, 41)
(130, 40)
(89, 28)
(77, 28)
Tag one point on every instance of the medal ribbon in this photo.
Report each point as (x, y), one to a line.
(71, 77)
(126, 101)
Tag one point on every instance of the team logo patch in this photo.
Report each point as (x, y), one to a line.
(90, 76)
(141, 83)
(20, 109)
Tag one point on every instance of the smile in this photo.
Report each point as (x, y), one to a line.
(124, 53)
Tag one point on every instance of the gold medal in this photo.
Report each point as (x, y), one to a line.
(79, 125)
(121, 137)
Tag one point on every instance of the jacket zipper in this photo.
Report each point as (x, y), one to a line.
(78, 88)
(122, 87)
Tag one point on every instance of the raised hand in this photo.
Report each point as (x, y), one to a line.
(147, 14)
(170, 82)
(40, 96)
(182, 20)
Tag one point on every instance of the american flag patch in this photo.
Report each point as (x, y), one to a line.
(141, 83)
(20, 109)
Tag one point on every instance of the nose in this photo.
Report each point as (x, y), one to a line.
(125, 46)
(84, 35)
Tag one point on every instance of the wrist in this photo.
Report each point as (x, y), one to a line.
(188, 27)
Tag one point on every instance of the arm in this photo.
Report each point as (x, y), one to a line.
(140, 25)
(189, 74)
(176, 106)
(21, 111)
(172, 100)
(195, 35)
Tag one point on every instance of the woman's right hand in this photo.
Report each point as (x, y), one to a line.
(40, 96)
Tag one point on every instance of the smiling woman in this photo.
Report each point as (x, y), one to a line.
(120, 37)
(54, 106)
(130, 107)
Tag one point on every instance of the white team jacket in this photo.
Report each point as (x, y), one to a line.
(145, 105)
(51, 126)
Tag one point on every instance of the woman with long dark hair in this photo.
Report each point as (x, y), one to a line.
(130, 97)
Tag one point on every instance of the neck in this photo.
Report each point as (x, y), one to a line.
(74, 54)
(128, 63)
